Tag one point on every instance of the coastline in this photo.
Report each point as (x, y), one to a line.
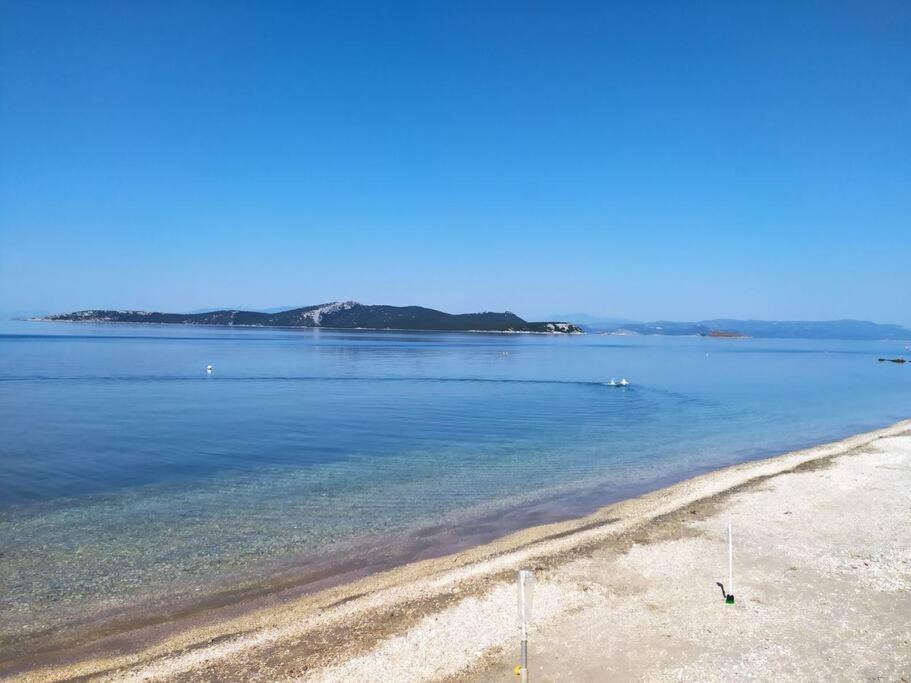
(303, 635)
(299, 327)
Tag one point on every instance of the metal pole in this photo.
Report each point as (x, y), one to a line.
(730, 562)
(523, 653)
(523, 674)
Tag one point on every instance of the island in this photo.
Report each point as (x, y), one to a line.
(724, 334)
(346, 315)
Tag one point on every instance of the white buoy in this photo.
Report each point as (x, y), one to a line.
(209, 369)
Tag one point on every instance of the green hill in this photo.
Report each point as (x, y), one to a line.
(340, 315)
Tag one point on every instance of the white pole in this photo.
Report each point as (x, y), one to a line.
(523, 656)
(730, 559)
(523, 617)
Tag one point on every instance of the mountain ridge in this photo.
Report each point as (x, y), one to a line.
(337, 315)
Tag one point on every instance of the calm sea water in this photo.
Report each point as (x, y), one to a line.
(127, 473)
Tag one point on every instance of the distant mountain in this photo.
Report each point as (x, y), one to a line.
(340, 314)
(271, 309)
(212, 309)
(770, 329)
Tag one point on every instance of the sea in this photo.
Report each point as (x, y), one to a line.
(133, 479)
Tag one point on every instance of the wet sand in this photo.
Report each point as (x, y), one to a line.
(626, 593)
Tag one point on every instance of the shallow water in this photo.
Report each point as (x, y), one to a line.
(127, 473)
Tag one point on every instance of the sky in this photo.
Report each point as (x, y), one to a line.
(667, 160)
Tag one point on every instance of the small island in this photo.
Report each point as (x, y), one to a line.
(724, 334)
(346, 315)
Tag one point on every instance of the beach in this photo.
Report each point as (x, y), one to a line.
(328, 329)
(822, 586)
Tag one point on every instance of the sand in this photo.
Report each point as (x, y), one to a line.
(822, 586)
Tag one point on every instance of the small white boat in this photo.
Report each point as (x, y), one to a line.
(612, 383)
(624, 382)
(209, 369)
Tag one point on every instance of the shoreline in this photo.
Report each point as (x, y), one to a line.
(336, 623)
(153, 616)
(298, 327)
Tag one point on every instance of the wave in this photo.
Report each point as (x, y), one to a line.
(313, 378)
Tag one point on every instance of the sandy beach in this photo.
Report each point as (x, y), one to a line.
(822, 585)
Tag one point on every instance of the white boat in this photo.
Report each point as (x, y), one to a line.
(624, 382)
(209, 369)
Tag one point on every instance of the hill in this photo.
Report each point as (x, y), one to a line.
(340, 314)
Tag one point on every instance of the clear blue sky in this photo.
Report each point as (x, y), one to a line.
(674, 160)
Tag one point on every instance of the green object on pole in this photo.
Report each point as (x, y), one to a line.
(729, 600)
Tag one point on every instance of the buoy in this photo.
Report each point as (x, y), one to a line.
(209, 369)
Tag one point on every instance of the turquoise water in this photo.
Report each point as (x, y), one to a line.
(129, 475)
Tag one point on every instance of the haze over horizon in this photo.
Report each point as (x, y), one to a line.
(580, 318)
(633, 161)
